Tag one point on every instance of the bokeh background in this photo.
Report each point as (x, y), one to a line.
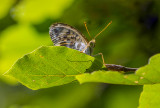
(130, 40)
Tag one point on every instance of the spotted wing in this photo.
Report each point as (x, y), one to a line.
(65, 35)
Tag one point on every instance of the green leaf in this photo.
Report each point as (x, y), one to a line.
(149, 74)
(14, 46)
(150, 96)
(50, 66)
(5, 6)
(33, 12)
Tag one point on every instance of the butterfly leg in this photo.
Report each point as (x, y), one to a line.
(101, 56)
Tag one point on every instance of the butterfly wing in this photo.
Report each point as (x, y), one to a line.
(65, 35)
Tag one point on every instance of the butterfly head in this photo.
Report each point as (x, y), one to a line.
(92, 43)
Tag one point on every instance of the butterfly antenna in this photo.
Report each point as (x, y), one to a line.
(103, 29)
(87, 29)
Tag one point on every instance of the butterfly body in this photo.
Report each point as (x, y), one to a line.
(65, 35)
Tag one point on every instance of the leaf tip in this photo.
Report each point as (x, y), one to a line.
(78, 77)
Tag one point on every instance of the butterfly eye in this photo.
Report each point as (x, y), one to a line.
(92, 44)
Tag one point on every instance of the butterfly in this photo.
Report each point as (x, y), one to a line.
(65, 35)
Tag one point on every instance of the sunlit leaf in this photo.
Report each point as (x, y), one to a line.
(5, 6)
(36, 11)
(16, 41)
(149, 74)
(50, 66)
(150, 96)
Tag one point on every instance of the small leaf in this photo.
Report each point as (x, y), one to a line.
(50, 66)
(150, 96)
(149, 74)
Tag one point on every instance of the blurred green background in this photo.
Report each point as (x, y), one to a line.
(130, 40)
